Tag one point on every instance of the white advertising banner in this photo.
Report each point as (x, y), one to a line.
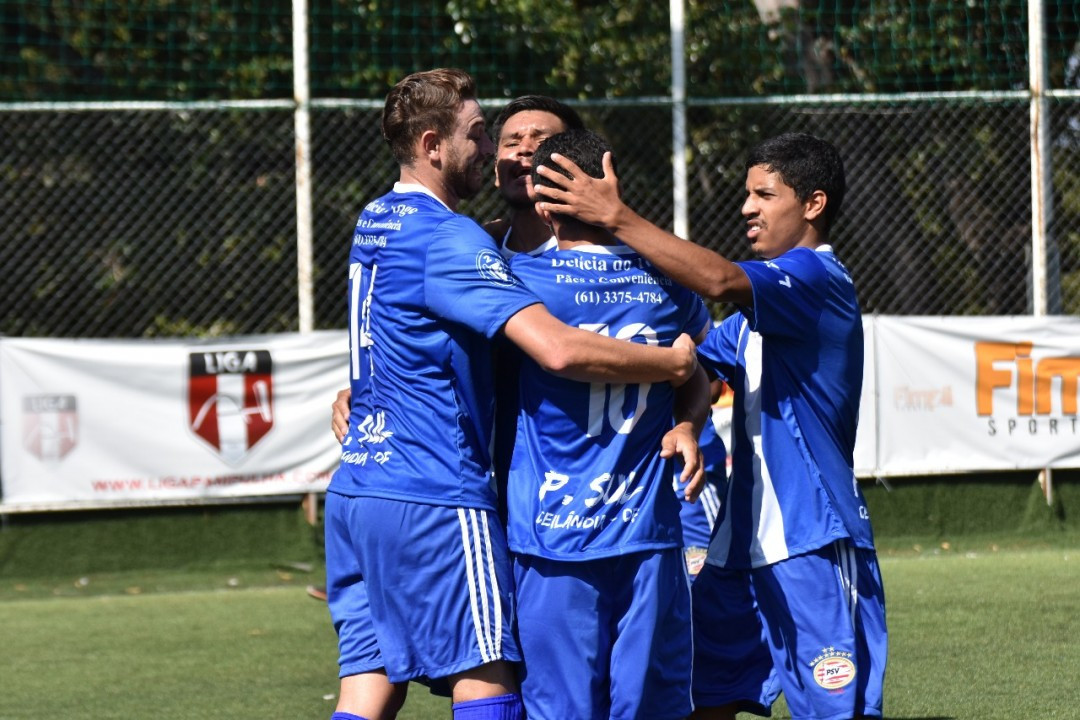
(957, 394)
(92, 423)
(100, 422)
(866, 436)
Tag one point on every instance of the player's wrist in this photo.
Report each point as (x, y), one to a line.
(684, 365)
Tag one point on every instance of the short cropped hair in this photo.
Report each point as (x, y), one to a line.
(424, 101)
(805, 163)
(543, 103)
(584, 147)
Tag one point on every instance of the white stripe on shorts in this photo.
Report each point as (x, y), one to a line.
(496, 597)
(480, 572)
(848, 570)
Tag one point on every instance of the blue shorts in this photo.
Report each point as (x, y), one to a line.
(606, 638)
(423, 591)
(812, 626)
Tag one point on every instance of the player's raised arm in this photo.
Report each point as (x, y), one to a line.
(590, 357)
(596, 201)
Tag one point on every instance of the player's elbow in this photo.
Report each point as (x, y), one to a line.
(729, 286)
(556, 356)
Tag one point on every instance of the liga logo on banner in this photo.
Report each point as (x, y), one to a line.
(231, 399)
(50, 425)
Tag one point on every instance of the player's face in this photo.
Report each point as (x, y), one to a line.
(519, 137)
(775, 219)
(468, 148)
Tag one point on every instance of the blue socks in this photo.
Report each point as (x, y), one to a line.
(502, 707)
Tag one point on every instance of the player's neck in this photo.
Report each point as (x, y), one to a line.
(432, 180)
(527, 231)
(573, 234)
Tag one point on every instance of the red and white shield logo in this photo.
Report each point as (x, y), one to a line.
(50, 425)
(231, 399)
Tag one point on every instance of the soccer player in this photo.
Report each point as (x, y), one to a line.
(603, 601)
(418, 575)
(791, 597)
(519, 129)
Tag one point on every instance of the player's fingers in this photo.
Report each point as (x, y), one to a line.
(339, 414)
(569, 166)
(695, 485)
(687, 359)
(553, 176)
(609, 166)
(684, 341)
(692, 463)
(668, 446)
(551, 196)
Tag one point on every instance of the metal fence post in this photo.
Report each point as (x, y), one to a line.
(680, 214)
(304, 232)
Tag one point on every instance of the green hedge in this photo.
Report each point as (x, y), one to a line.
(954, 512)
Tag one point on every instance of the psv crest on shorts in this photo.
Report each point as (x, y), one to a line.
(231, 399)
(833, 669)
(50, 425)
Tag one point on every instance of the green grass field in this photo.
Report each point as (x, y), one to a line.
(203, 614)
(974, 635)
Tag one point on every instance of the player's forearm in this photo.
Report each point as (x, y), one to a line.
(692, 402)
(707, 273)
(589, 357)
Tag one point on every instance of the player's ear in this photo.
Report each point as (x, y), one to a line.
(814, 207)
(544, 214)
(430, 144)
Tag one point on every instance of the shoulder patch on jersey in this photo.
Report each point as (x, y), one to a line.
(493, 268)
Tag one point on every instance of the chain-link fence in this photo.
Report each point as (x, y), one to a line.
(118, 220)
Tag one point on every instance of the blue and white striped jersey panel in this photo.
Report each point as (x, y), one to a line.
(795, 362)
(768, 543)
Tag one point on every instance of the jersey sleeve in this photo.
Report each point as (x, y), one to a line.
(698, 316)
(466, 279)
(789, 293)
(718, 352)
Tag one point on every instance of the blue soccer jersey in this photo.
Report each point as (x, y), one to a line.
(507, 357)
(427, 289)
(586, 479)
(796, 362)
